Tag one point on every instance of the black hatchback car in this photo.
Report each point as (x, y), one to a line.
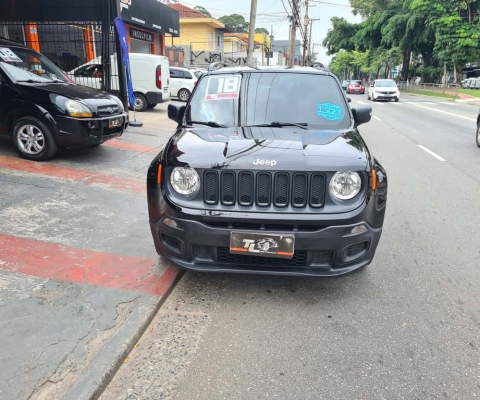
(42, 111)
(267, 173)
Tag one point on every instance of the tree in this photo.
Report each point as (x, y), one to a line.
(339, 36)
(203, 10)
(236, 22)
(262, 30)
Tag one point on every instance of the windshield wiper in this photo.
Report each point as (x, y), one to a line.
(213, 124)
(278, 124)
(30, 81)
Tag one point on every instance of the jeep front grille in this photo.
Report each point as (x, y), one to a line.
(264, 189)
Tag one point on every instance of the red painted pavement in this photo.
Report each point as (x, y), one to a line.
(93, 178)
(69, 264)
(139, 148)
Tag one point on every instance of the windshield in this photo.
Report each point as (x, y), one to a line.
(385, 84)
(28, 65)
(355, 82)
(316, 101)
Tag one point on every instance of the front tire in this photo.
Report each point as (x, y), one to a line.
(141, 103)
(478, 135)
(397, 100)
(184, 95)
(33, 139)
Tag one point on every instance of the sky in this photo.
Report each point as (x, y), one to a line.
(272, 12)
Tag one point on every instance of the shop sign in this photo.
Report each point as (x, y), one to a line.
(141, 35)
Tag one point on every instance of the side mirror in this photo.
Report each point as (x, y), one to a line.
(176, 112)
(362, 114)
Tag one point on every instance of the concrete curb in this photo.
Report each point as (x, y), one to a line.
(91, 384)
(456, 99)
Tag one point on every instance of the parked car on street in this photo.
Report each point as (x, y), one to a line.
(252, 182)
(41, 111)
(183, 81)
(345, 84)
(383, 89)
(150, 77)
(355, 87)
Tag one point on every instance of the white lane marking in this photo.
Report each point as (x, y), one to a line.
(409, 102)
(450, 103)
(427, 102)
(374, 116)
(379, 104)
(361, 102)
(431, 153)
(444, 112)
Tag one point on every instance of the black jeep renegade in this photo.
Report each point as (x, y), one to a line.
(267, 173)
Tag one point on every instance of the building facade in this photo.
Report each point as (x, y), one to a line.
(70, 44)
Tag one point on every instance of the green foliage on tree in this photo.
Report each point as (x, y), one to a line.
(203, 10)
(236, 22)
(262, 30)
(432, 32)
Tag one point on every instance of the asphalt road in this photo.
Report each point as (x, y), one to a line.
(407, 327)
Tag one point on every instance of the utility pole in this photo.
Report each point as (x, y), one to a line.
(293, 34)
(251, 32)
(310, 45)
(271, 45)
(306, 22)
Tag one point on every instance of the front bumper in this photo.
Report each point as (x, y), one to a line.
(381, 96)
(76, 132)
(322, 248)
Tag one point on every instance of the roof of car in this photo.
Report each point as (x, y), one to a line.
(6, 42)
(294, 69)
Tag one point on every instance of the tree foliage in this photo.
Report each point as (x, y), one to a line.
(433, 32)
(203, 10)
(262, 30)
(236, 22)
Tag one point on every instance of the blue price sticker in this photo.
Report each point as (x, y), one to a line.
(330, 111)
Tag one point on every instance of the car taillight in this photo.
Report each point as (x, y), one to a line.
(158, 77)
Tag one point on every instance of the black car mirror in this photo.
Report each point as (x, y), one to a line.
(176, 112)
(362, 114)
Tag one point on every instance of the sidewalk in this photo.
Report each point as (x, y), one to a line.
(79, 277)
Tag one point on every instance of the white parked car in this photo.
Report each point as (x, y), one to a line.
(383, 89)
(150, 77)
(183, 81)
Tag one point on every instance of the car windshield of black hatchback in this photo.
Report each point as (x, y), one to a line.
(25, 65)
(315, 101)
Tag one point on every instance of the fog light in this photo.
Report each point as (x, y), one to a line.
(170, 222)
(91, 124)
(359, 229)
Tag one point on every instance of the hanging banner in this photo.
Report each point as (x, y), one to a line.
(122, 34)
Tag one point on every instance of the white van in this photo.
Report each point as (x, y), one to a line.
(150, 78)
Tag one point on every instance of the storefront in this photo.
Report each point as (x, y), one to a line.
(148, 22)
(71, 44)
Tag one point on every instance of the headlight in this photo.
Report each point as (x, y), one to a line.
(185, 180)
(345, 185)
(77, 109)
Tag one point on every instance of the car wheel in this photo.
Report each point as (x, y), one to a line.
(183, 95)
(478, 135)
(368, 96)
(396, 100)
(141, 103)
(33, 139)
(152, 105)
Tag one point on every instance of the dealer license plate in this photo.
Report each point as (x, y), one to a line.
(264, 245)
(115, 122)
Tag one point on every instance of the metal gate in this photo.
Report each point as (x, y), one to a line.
(75, 47)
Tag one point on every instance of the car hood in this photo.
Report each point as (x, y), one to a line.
(76, 92)
(287, 148)
(386, 89)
